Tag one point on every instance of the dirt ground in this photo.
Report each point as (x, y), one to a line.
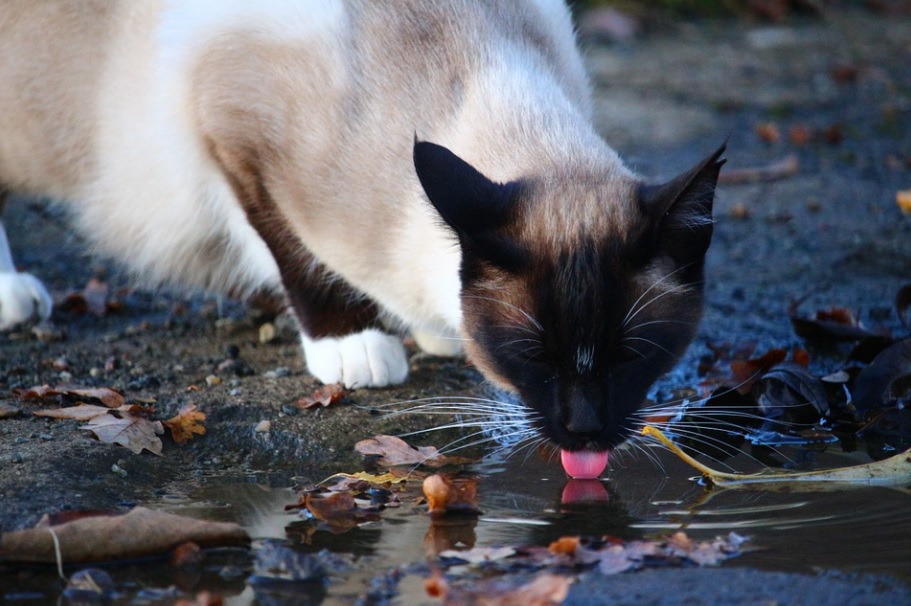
(837, 91)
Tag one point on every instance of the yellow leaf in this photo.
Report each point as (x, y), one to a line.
(894, 471)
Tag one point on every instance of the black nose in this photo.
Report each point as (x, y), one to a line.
(581, 418)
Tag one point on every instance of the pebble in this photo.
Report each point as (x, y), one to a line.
(119, 470)
(65, 376)
(213, 380)
(263, 427)
(267, 333)
(276, 373)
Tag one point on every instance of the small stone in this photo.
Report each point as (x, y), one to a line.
(276, 373)
(120, 471)
(46, 437)
(95, 372)
(267, 333)
(740, 211)
(213, 380)
(263, 427)
(65, 376)
(20, 440)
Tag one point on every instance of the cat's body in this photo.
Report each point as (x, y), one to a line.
(273, 146)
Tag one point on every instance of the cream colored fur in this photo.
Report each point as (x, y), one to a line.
(115, 105)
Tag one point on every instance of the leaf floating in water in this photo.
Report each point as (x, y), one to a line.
(451, 495)
(894, 471)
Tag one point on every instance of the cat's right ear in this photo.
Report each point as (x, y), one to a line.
(470, 203)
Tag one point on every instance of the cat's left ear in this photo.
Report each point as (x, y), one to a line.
(682, 209)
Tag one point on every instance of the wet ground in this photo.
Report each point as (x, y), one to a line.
(838, 90)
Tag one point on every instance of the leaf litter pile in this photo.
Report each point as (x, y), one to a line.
(113, 420)
(767, 402)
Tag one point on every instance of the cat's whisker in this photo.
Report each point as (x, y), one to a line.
(633, 311)
(524, 313)
(650, 342)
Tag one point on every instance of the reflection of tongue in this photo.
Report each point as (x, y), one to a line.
(583, 464)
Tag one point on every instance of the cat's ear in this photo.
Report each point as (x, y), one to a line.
(472, 205)
(682, 209)
(468, 202)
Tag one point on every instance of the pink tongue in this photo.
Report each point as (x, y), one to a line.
(583, 464)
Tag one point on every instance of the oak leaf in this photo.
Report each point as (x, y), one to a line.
(186, 423)
(395, 451)
(130, 431)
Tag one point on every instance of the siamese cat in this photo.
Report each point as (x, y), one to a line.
(395, 166)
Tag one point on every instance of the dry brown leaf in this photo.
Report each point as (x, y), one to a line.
(545, 589)
(903, 199)
(324, 396)
(186, 423)
(107, 396)
(564, 546)
(131, 431)
(140, 533)
(83, 412)
(395, 451)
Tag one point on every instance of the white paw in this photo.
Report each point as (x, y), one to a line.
(447, 345)
(366, 359)
(23, 298)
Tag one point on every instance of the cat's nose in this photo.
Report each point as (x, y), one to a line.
(581, 419)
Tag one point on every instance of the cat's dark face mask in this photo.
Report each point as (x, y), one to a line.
(579, 321)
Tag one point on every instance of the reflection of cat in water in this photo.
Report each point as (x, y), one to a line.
(422, 166)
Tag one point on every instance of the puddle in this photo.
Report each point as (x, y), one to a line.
(858, 530)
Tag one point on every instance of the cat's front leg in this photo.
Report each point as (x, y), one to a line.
(447, 345)
(342, 336)
(23, 298)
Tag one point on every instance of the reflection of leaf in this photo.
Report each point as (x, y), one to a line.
(394, 451)
(887, 378)
(187, 422)
(323, 396)
(545, 589)
(140, 533)
(133, 432)
(894, 471)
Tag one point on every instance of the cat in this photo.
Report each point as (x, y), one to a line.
(414, 166)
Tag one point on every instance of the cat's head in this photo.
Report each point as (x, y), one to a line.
(578, 290)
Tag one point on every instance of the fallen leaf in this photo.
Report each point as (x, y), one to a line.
(768, 132)
(894, 471)
(131, 431)
(339, 511)
(903, 199)
(903, 301)
(790, 392)
(451, 495)
(545, 589)
(780, 169)
(186, 423)
(395, 451)
(107, 396)
(140, 533)
(9, 412)
(323, 396)
(835, 324)
(479, 555)
(748, 372)
(564, 546)
(83, 412)
(886, 379)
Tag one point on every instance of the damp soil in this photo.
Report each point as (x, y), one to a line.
(831, 234)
